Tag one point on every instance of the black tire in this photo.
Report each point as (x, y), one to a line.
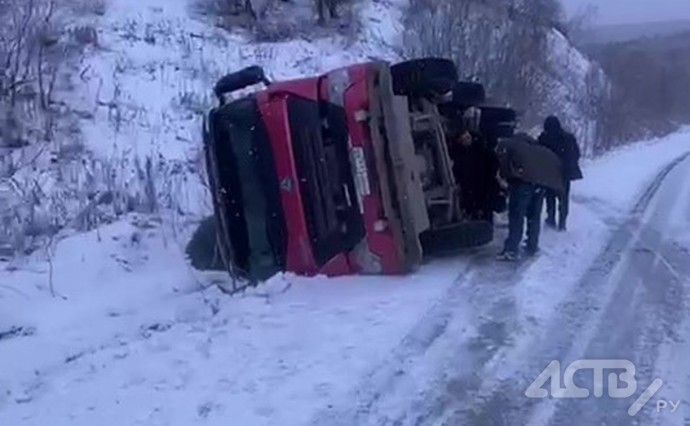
(424, 77)
(498, 122)
(458, 236)
(498, 114)
(468, 93)
(201, 249)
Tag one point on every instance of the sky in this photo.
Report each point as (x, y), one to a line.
(633, 11)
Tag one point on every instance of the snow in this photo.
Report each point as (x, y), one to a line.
(614, 180)
(601, 201)
(133, 336)
(572, 86)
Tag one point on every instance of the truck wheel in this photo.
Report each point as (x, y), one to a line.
(424, 77)
(463, 235)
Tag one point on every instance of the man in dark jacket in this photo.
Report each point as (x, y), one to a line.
(565, 146)
(474, 167)
(528, 168)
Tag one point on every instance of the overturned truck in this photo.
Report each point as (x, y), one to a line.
(351, 171)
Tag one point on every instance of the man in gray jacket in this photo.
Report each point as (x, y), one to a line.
(529, 169)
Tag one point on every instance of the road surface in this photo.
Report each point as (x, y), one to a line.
(632, 304)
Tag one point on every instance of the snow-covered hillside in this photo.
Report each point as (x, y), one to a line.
(577, 90)
(149, 83)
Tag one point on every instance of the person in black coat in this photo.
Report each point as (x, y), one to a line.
(565, 146)
(475, 167)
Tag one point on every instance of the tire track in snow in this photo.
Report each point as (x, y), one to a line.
(482, 290)
(598, 321)
(469, 394)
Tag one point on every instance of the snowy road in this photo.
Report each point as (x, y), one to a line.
(133, 337)
(631, 303)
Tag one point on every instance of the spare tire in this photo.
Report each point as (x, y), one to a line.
(424, 77)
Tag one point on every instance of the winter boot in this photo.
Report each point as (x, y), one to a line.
(507, 256)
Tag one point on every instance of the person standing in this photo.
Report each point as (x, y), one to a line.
(474, 173)
(565, 146)
(529, 169)
(474, 167)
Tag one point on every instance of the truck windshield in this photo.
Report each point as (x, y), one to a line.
(247, 188)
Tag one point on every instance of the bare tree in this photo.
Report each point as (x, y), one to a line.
(648, 77)
(29, 62)
(327, 9)
(26, 34)
(580, 23)
(500, 42)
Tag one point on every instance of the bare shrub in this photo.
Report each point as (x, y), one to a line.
(89, 7)
(274, 30)
(41, 157)
(194, 101)
(646, 100)
(580, 23)
(503, 44)
(85, 35)
(229, 13)
(326, 10)
(225, 7)
(27, 37)
(278, 20)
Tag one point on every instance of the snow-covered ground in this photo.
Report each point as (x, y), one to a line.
(602, 201)
(133, 336)
(112, 327)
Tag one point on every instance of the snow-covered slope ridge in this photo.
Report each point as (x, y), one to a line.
(577, 88)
